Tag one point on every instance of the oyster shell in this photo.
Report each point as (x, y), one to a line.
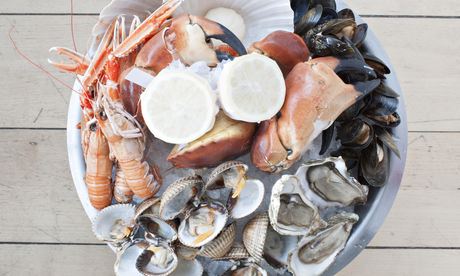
(254, 235)
(230, 175)
(277, 248)
(328, 184)
(157, 260)
(291, 213)
(115, 224)
(188, 268)
(178, 195)
(246, 269)
(249, 199)
(202, 224)
(156, 229)
(315, 253)
(125, 265)
(221, 245)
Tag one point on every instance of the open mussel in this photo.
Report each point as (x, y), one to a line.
(374, 164)
(329, 184)
(316, 252)
(355, 134)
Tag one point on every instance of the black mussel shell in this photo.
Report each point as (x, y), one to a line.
(385, 90)
(360, 34)
(330, 4)
(350, 155)
(353, 70)
(355, 134)
(374, 164)
(328, 14)
(379, 66)
(309, 20)
(327, 137)
(300, 8)
(352, 112)
(336, 26)
(322, 45)
(381, 105)
(387, 121)
(387, 139)
(346, 14)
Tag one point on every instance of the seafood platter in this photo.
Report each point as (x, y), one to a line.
(244, 137)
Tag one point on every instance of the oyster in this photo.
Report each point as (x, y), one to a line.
(254, 235)
(178, 195)
(156, 229)
(315, 253)
(328, 184)
(157, 260)
(246, 269)
(221, 245)
(125, 265)
(277, 248)
(202, 224)
(230, 175)
(115, 224)
(249, 199)
(291, 213)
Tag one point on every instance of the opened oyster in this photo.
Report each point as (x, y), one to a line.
(202, 224)
(115, 224)
(178, 195)
(316, 252)
(157, 260)
(291, 213)
(328, 184)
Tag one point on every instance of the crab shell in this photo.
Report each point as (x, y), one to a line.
(115, 224)
(147, 268)
(315, 253)
(220, 246)
(220, 214)
(328, 184)
(227, 140)
(177, 196)
(291, 185)
(286, 48)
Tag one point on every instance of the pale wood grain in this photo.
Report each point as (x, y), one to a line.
(405, 263)
(38, 184)
(27, 260)
(390, 7)
(425, 59)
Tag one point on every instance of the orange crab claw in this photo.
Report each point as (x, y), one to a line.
(147, 29)
(80, 62)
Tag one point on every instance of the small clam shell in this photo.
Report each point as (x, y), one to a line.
(215, 212)
(186, 253)
(227, 175)
(157, 260)
(157, 229)
(221, 245)
(178, 195)
(188, 268)
(125, 264)
(237, 252)
(254, 235)
(246, 268)
(148, 206)
(249, 200)
(114, 224)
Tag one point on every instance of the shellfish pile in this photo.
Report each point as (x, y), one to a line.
(237, 112)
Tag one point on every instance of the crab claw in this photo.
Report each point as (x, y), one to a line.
(80, 62)
(189, 38)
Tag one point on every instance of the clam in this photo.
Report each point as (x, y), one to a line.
(156, 229)
(237, 252)
(315, 253)
(188, 268)
(290, 211)
(157, 260)
(277, 248)
(230, 175)
(115, 224)
(254, 235)
(249, 199)
(328, 184)
(149, 206)
(177, 196)
(246, 269)
(125, 265)
(202, 224)
(220, 246)
(186, 253)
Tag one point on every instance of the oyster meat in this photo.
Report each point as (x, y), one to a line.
(316, 252)
(328, 184)
(291, 213)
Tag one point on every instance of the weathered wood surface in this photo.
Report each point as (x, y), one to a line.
(427, 63)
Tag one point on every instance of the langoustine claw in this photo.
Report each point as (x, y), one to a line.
(315, 97)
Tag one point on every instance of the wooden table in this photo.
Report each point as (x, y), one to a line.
(44, 230)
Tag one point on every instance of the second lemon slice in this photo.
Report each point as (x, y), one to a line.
(252, 88)
(179, 107)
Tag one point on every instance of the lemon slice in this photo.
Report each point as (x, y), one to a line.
(252, 88)
(179, 107)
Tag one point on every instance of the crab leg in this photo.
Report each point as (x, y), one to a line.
(147, 29)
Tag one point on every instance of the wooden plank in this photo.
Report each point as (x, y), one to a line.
(21, 260)
(404, 262)
(46, 206)
(428, 74)
(391, 7)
